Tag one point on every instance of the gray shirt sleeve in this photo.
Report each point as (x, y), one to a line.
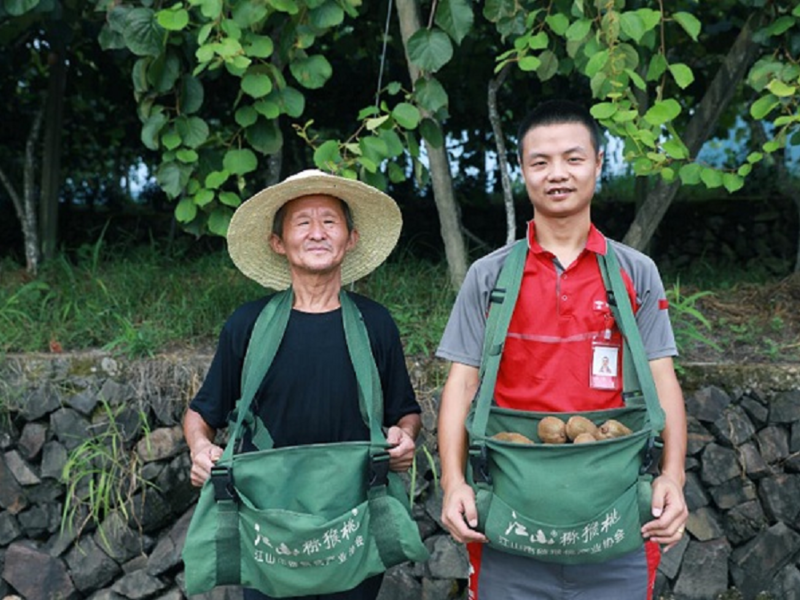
(462, 341)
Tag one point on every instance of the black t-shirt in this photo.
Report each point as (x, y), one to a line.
(310, 393)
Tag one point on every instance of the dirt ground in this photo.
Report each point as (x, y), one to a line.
(748, 323)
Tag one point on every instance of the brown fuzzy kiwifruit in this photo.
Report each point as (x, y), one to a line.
(612, 429)
(512, 436)
(552, 430)
(584, 438)
(577, 425)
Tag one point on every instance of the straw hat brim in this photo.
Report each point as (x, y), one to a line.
(375, 215)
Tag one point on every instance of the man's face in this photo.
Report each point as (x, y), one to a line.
(560, 167)
(315, 237)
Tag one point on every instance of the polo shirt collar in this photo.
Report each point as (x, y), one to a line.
(595, 242)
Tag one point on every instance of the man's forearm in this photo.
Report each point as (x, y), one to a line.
(457, 395)
(196, 431)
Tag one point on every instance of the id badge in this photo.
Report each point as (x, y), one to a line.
(605, 367)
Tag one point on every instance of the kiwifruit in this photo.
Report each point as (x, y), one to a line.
(612, 429)
(552, 430)
(578, 425)
(512, 436)
(584, 438)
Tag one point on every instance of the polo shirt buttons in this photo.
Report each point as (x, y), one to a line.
(564, 297)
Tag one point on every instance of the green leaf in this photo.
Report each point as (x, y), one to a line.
(430, 94)
(538, 41)
(650, 18)
(683, 75)
(392, 139)
(675, 149)
(732, 182)
(210, 9)
(265, 136)
(780, 89)
(18, 8)
(268, 108)
(260, 46)
(430, 50)
(455, 17)
(327, 155)
(230, 199)
(171, 140)
(637, 81)
(246, 116)
(632, 25)
(326, 16)
(796, 11)
(772, 146)
(658, 64)
(690, 174)
(603, 110)
(763, 106)
(240, 162)
(151, 130)
(431, 132)
(596, 63)
(642, 166)
(780, 25)
(218, 220)
(374, 148)
(191, 95)
(173, 19)
(164, 72)
(256, 85)
(374, 123)
(203, 197)
(216, 179)
(143, 35)
(668, 174)
(292, 101)
(193, 131)
(711, 177)
(529, 63)
(495, 10)
(558, 22)
(247, 14)
(662, 112)
(172, 177)
(187, 156)
(579, 29)
(689, 22)
(311, 72)
(406, 115)
(745, 170)
(754, 157)
(396, 174)
(186, 210)
(549, 66)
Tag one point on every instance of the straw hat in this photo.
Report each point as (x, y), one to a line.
(375, 216)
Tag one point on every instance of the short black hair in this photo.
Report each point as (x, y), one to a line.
(280, 215)
(556, 112)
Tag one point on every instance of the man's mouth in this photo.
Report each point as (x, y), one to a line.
(558, 191)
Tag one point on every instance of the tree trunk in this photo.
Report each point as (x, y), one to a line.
(446, 206)
(502, 162)
(51, 155)
(702, 124)
(25, 205)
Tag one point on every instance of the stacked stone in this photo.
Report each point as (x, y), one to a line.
(742, 489)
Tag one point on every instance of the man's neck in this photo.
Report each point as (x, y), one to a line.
(316, 293)
(565, 238)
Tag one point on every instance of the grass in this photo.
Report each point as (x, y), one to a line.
(142, 300)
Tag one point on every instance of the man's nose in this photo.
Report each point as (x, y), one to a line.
(558, 170)
(317, 229)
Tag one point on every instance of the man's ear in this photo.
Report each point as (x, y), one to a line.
(600, 157)
(353, 240)
(276, 243)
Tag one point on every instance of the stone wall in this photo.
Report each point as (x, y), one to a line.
(743, 481)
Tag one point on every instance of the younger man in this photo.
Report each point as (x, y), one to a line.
(548, 357)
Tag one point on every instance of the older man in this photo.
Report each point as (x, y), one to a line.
(313, 233)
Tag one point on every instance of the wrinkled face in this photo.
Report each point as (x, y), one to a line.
(315, 237)
(560, 166)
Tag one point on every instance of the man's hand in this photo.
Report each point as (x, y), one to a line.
(204, 455)
(460, 515)
(401, 448)
(670, 512)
